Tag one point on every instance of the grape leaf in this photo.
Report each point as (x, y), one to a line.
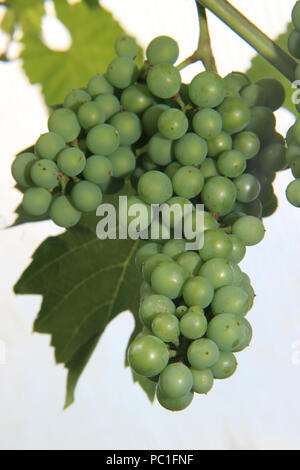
(85, 283)
(93, 32)
(261, 68)
(27, 13)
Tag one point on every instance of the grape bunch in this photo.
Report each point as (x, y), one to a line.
(293, 135)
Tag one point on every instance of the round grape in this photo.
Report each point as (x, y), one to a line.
(86, 196)
(168, 279)
(235, 113)
(249, 229)
(225, 367)
(293, 192)
(64, 122)
(150, 118)
(248, 187)
(207, 90)
(218, 271)
(49, 145)
(176, 380)
(217, 244)
(126, 46)
(71, 161)
(219, 144)
(190, 261)
(209, 168)
(162, 49)
(174, 404)
(103, 139)
(145, 252)
(174, 248)
(172, 124)
(193, 325)
(231, 163)
(63, 213)
(98, 85)
(190, 149)
(248, 143)
(219, 194)
(90, 114)
(227, 331)
(188, 182)
(123, 162)
(44, 173)
(203, 380)
(207, 123)
(148, 355)
(294, 43)
(122, 72)
(163, 80)
(203, 353)
(36, 201)
(166, 327)
(76, 98)
(151, 263)
(273, 157)
(98, 169)
(238, 249)
(109, 104)
(21, 168)
(152, 306)
(231, 299)
(136, 98)
(160, 149)
(155, 187)
(128, 126)
(198, 291)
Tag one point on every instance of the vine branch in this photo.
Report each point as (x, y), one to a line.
(253, 36)
(203, 52)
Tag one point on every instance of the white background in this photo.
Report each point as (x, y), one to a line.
(259, 407)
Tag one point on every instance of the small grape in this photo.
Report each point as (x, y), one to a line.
(188, 182)
(209, 168)
(203, 380)
(126, 46)
(98, 169)
(155, 187)
(207, 123)
(217, 244)
(166, 327)
(225, 367)
(235, 113)
(122, 72)
(190, 149)
(274, 92)
(231, 163)
(89, 115)
(190, 261)
(231, 299)
(44, 173)
(128, 126)
(218, 271)
(160, 149)
(103, 139)
(219, 194)
(174, 248)
(181, 310)
(152, 262)
(71, 161)
(172, 124)
(249, 229)
(86, 196)
(219, 144)
(109, 104)
(145, 252)
(150, 118)
(49, 145)
(235, 82)
(123, 162)
(21, 168)
(273, 157)
(207, 90)
(36, 201)
(148, 356)
(198, 291)
(238, 249)
(248, 187)
(163, 80)
(63, 213)
(174, 404)
(76, 98)
(254, 208)
(176, 380)
(193, 325)
(152, 306)
(293, 192)
(294, 43)
(262, 122)
(227, 331)
(162, 49)
(248, 143)
(112, 186)
(98, 85)
(203, 353)
(246, 336)
(136, 98)
(64, 122)
(210, 222)
(254, 95)
(168, 279)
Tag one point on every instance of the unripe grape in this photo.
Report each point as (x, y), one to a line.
(203, 380)
(44, 173)
(126, 46)
(109, 104)
(63, 213)
(193, 325)
(49, 145)
(162, 49)
(198, 291)
(89, 115)
(163, 80)
(76, 98)
(136, 98)
(123, 162)
(231, 299)
(64, 122)
(86, 196)
(152, 306)
(128, 126)
(249, 229)
(98, 85)
(103, 139)
(21, 168)
(148, 356)
(174, 404)
(203, 353)
(168, 279)
(175, 381)
(36, 201)
(207, 90)
(71, 161)
(293, 192)
(166, 327)
(98, 169)
(225, 367)
(122, 72)
(145, 252)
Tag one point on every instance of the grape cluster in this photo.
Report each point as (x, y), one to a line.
(293, 135)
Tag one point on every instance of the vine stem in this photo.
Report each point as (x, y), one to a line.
(203, 52)
(253, 36)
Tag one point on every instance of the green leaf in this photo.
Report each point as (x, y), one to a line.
(261, 68)
(28, 13)
(8, 22)
(93, 32)
(85, 283)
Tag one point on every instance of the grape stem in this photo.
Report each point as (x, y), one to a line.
(204, 51)
(253, 36)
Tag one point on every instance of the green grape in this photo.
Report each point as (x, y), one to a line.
(136, 98)
(292, 152)
(272, 157)
(209, 168)
(152, 306)
(90, 114)
(237, 274)
(168, 279)
(36, 201)
(219, 144)
(174, 248)
(235, 113)
(198, 291)
(193, 325)
(232, 217)
(162, 49)
(203, 353)
(295, 167)
(207, 90)
(181, 310)
(112, 186)
(225, 367)
(145, 252)
(247, 143)
(163, 80)
(235, 82)
(98, 85)
(166, 327)
(21, 167)
(128, 126)
(210, 222)
(103, 139)
(152, 262)
(296, 15)
(147, 163)
(148, 356)
(86, 196)
(254, 95)
(217, 244)
(123, 161)
(174, 404)
(266, 193)
(294, 43)
(63, 213)
(249, 229)
(64, 122)
(231, 163)
(218, 271)
(150, 118)
(219, 194)
(172, 124)
(262, 122)
(126, 46)
(176, 380)
(190, 261)
(270, 207)
(177, 207)
(254, 208)
(227, 331)
(160, 149)
(122, 72)
(274, 92)
(155, 187)
(49, 145)
(44, 173)
(98, 169)
(238, 249)
(207, 123)
(76, 98)
(71, 161)
(203, 380)
(231, 299)
(109, 104)
(188, 182)
(248, 187)
(293, 192)
(246, 336)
